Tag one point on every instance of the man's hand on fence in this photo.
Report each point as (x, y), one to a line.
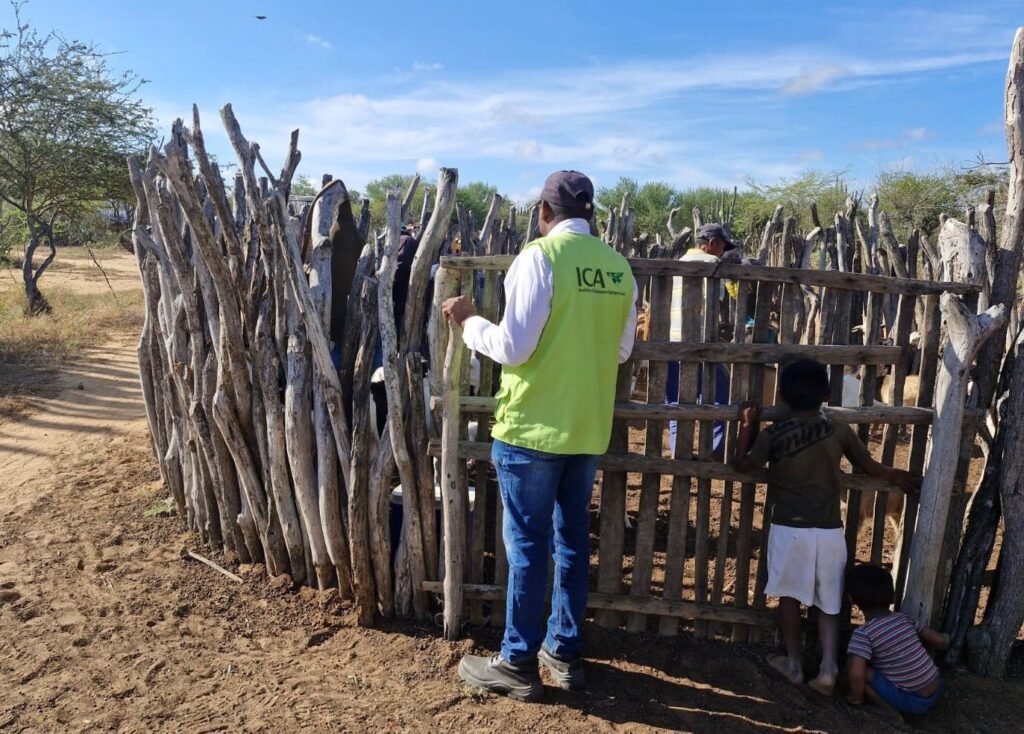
(458, 309)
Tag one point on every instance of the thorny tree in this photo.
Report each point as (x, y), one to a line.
(66, 122)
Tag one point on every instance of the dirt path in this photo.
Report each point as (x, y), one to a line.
(104, 627)
(75, 269)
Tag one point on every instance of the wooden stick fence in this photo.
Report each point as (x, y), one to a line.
(263, 440)
(257, 391)
(264, 313)
(697, 551)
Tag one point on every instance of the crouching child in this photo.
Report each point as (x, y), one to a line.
(806, 545)
(887, 662)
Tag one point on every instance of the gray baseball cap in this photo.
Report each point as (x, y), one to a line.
(713, 230)
(568, 188)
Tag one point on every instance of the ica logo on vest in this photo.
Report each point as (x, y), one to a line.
(594, 278)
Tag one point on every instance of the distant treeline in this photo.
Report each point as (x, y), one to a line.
(912, 200)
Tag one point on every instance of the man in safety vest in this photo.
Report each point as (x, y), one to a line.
(570, 320)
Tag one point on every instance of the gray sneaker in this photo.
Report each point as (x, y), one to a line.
(519, 682)
(567, 673)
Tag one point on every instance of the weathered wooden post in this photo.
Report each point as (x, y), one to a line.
(988, 646)
(410, 348)
(967, 332)
(411, 574)
(773, 225)
(321, 220)
(452, 499)
(368, 490)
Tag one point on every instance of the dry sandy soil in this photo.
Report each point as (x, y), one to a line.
(75, 269)
(104, 627)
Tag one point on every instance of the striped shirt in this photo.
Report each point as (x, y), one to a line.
(891, 645)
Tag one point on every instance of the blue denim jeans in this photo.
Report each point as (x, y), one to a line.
(905, 702)
(547, 510)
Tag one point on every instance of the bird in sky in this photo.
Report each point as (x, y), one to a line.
(261, 17)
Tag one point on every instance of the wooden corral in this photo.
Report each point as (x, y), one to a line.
(677, 562)
(267, 446)
(263, 316)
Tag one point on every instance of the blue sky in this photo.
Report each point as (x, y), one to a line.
(688, 93)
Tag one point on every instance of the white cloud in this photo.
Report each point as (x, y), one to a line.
(814, 80)
(906, 163)
(526, 198)
(684, 120)
(528, 149)
(426, 165)
(992, 130)
(912, 135)
(925, 28)
(318, 42)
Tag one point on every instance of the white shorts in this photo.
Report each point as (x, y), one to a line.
(807, 564)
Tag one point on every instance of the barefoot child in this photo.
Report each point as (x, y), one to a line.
(887, 662)
(806, 547)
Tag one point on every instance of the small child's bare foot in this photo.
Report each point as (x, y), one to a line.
(824, 684)
(789, 668)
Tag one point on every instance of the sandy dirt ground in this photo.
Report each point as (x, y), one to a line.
(105, 627)
(75, 269)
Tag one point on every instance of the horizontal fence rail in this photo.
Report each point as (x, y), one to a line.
(645, 605)
(765, 353)
(730, 271)
(633, 463)
(634, 410)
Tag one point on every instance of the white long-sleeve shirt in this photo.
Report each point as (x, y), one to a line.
(529, 284)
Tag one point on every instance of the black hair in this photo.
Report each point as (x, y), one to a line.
(580, 211)
(804, 384)
(870, 587)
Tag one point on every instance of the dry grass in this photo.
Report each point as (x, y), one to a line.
(34, 349)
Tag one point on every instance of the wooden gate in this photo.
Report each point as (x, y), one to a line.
(696, 551)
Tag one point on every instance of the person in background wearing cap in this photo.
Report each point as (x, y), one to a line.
(569, 322)
(712, 245)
